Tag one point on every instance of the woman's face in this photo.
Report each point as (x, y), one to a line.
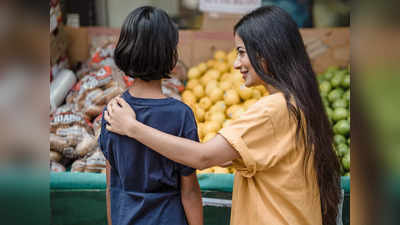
(243, 64)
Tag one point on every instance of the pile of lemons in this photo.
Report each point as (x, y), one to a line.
(216, 93)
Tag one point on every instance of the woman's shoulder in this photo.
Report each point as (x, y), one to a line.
(272, 104)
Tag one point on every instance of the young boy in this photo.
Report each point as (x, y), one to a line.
(143, 186)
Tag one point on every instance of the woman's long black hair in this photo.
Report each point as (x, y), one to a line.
(271, 36)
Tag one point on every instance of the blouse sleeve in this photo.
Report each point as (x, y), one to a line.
(252, 135)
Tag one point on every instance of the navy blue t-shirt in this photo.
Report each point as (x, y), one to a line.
(144, 185)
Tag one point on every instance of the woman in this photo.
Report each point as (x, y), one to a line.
(281, 147)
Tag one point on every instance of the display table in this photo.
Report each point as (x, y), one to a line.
(80, 198)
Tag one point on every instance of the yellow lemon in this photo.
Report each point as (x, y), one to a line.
(213, 73)
(200, 113)
(245, 93)
(261, 88)
(231, 170)
(212, 84)
(225, 85)
(200, 130)
(216, 94)
(198, 91)
(218, 107)
(192, 83)
(208, 170)
(248, 103)
(226, 123)
(221, 67)
(220, 55)
(226, 77)
(218, 169)
(205, 103)
(256, 94)
(238, 83)
(236, 114)
(188, 98)
(231, 97)
(202, 67)
(218, 116)
(210, 63)
(193, 73)
(190, 101)
(236, 75)
(187, 93)
(205, 79)
(211, 126)
(209, 136)
(230, 110)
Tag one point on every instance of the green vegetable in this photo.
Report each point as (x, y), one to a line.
(346, 81)
(337, 79)
(335, 94)
(346, 96)
(342, 149)
(339, 103)
(329, 112)
(342, 127)
(340, 114)
(325, 87)
(339, 139)
(346, 161)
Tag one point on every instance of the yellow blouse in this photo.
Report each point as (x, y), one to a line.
(270, 186)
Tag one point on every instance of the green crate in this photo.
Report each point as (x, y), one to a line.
(80, 198)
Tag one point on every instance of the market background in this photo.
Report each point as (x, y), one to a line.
(84, 78)
(25, 139)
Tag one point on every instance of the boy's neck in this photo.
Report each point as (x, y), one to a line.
(146, 89)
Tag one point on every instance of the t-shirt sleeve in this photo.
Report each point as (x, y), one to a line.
(103, 136)
(190, 132)
(252, 135)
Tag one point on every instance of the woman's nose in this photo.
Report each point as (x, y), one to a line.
(237, 63)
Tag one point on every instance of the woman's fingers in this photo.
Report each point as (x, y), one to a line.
(126, 108)
(109, 128)
(109, 108)
(122, 102)
(112, 106)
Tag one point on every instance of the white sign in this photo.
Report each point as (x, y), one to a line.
(229, 6)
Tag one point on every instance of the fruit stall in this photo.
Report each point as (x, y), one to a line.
(205, 80)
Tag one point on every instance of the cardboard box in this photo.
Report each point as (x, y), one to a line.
(58, 44)
(326, 46)
(78, 44)
(220, 21)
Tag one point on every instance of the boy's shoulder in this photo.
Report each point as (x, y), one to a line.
(181, 105)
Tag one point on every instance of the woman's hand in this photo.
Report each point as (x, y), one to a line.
(120, 116)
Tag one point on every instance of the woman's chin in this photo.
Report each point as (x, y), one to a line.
(248, 84)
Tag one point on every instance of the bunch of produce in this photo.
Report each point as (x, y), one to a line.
(334, 87)
(216, 93)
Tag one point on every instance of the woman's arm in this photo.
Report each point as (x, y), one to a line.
(122, 120)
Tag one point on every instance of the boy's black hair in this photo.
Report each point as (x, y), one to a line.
(147, 46)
